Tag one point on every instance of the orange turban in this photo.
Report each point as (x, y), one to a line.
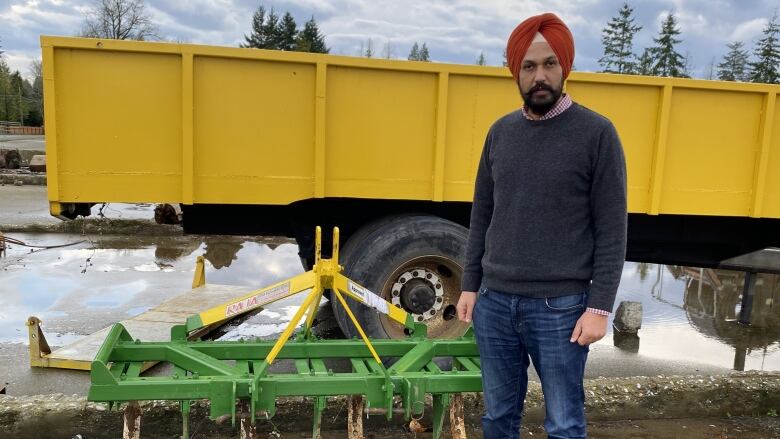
(552, 29)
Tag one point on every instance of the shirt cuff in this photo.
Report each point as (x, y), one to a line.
(600, 312)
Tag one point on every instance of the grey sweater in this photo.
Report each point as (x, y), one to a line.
(549, 212)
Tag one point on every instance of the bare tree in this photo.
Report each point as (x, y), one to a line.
(36, 68)
(119, 20)
(388, 51)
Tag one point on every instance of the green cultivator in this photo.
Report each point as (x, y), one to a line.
(233, 374)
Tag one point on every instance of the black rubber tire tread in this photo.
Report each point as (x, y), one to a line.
(373, 252)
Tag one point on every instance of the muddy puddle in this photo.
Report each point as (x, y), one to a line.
(692, 313)
(689, 313)
(80, 289)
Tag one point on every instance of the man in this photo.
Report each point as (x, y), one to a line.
(547, 238)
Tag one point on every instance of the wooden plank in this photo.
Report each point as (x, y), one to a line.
(154, 324)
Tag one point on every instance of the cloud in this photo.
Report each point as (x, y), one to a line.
(454, 30)
(748, 30)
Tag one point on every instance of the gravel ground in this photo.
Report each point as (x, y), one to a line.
(740, 405)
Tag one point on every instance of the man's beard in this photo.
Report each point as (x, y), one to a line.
(540, 106)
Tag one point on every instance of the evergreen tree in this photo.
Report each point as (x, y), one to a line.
(424, 55)
(287, 33)
(257, 39)
(734, 64)
(666, 60)
(645, 64)
(414, 54)
(481, 60)
(310, 39)
(5, 91)
(766, 68)
(617, 39)
(419, 53)
(272, 31)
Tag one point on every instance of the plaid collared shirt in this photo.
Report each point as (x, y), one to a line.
(563, 104)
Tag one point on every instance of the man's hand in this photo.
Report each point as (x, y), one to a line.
(466, 305)
(590, 328)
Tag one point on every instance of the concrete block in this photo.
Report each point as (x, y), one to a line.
(38, 163)
(628, 317)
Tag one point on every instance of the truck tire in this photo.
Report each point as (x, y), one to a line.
(412, 261)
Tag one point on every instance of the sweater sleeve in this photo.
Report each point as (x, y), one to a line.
(609, 218)
(481, 212)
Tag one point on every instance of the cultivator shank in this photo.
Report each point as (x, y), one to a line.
(233, 374)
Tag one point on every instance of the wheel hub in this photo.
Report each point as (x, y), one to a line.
(420, 292)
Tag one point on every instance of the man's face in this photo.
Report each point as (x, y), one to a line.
(541, 78)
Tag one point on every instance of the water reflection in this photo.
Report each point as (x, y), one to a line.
(221, 253)
(689, 313)
(712, 304)
(84, 288)
(677, 299)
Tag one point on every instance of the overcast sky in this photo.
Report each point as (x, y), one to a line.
(455, 30)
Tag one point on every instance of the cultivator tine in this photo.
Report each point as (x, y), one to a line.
(440, 403)
(185, 418)
(132, 421)
(319, 407)
(355, 417)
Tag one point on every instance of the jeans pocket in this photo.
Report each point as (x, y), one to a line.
(565, 303)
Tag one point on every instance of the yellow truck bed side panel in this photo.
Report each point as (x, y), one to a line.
(474, 103)
(379, 133)
(161, 122)
(637, 125)
(253, 131)
(118, 125)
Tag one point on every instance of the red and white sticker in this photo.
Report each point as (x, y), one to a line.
(257, 300)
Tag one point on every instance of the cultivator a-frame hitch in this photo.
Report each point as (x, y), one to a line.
(233, 374)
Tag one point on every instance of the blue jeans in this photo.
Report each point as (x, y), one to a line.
(512, 330)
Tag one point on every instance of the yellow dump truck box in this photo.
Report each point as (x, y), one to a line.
(178, 123)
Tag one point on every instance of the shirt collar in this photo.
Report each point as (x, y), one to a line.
(562, 105)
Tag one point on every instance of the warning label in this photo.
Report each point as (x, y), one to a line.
(368, 298)
(258, 299)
